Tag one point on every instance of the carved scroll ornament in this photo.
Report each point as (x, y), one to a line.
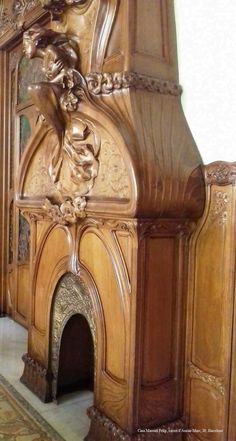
(106, 83)
(13, 17)
(73, 162)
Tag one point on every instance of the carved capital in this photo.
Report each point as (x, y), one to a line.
(221, 173)
(107, 83)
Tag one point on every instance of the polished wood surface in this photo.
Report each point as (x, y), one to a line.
(210, 374)
(111, 184)
(15, 234)
(125, 228)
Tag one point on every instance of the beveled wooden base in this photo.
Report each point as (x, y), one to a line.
(103, 429)
(37, 378)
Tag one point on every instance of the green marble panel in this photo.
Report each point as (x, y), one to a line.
(29, 72)
(25, 132)
(24, 240)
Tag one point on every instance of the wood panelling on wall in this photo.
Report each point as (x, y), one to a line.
(210, 375)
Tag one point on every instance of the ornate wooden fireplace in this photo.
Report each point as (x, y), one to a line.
(111, 182)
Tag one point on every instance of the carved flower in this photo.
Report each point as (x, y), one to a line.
(68, 211)
(69, 102)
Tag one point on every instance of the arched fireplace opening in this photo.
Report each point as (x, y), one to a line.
(76, 357)
(73, 337)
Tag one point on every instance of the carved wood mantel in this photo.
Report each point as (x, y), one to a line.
(111, 183)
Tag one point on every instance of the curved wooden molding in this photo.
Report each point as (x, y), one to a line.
(105, 20)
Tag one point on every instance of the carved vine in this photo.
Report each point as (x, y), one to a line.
(71, 297)
(73, 162)
(106, 83)
(213, 381)
(219, 209)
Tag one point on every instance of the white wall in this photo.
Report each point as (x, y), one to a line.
(206, 37)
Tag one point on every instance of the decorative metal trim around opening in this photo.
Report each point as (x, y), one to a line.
(71, 297)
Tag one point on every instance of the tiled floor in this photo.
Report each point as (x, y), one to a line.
(69, 416)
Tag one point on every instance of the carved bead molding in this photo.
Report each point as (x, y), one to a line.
(71, 297)
(103, 428)
(13, 17)
(107, 83)
(221, 173)
(211, 380)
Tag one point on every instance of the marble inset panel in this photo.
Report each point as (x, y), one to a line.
(29, 72)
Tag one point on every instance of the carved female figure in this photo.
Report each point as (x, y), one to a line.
(60, 60)
(73, 164)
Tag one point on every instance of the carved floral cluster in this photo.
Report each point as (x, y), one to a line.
(68, 212)
(107, 83)
(219, 207)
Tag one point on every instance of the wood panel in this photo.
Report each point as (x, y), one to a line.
(48, 259)
(96, 258)
(211, 308)
(160, 254)
(163, 296)
(154, 18)
(203, 398)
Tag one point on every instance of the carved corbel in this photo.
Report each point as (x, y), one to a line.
(73, 162)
